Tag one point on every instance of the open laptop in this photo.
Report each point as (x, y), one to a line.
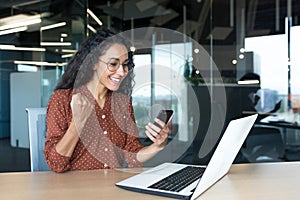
(157, 180)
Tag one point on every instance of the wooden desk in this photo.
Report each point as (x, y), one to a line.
(245, 181)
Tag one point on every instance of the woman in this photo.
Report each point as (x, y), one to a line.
(90, 118)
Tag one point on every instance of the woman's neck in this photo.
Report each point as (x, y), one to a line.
(99, 91)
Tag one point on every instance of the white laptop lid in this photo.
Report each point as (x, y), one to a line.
(224, 155)
(228, 147)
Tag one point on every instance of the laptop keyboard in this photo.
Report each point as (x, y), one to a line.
(180, 179)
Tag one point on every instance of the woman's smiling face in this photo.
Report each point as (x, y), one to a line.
(107, 71)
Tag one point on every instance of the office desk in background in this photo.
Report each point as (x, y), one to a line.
(244, 181)
(283, 121)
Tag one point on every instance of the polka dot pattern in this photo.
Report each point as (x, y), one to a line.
(109, 138)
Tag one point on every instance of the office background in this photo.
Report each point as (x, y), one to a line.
(242, 37)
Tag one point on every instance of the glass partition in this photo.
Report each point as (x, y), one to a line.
(63, 28)
(245, 40)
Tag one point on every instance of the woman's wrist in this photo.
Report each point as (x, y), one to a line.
(159, 147)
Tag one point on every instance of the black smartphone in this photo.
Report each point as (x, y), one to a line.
(163, 115)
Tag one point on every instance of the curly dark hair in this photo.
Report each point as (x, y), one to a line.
(79, 70)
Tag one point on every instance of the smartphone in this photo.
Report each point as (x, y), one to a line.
(163, 115)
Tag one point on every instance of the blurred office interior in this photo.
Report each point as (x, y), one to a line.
(253, 68)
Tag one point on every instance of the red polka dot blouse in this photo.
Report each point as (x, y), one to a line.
(109, 138)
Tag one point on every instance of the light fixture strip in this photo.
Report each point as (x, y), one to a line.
(22, 23)
(91, 28)
(29, 49)
(53, 26)
(7, 46)
(13, 47)
(13, 30)
(246, 82)
(27, 3)
(94, 17)
(67, 55)
(38, 63)
(55, 44)
(68, 50)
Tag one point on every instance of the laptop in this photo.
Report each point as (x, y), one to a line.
(190, 181)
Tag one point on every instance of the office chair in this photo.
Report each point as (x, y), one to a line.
(37, 137)
(264, 144)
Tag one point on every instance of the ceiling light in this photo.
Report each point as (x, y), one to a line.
(6, 47)
(27, 68)
(16, 6)
(55, 44)
(13, 19)
(94, 17)
(39, 63)
(132, 49)
(69, 50)
(241, 56)
(13, 47)
(246, 82)
(25, 22)
(53, 26)
(67, 55)
(91, 28)
(13, 30)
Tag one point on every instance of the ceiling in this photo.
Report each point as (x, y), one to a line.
(260, 16)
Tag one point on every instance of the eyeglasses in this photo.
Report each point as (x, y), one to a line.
(113, 64)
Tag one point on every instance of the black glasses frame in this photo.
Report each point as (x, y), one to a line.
(110, 65)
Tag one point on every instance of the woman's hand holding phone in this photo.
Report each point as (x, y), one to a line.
(158, 131)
